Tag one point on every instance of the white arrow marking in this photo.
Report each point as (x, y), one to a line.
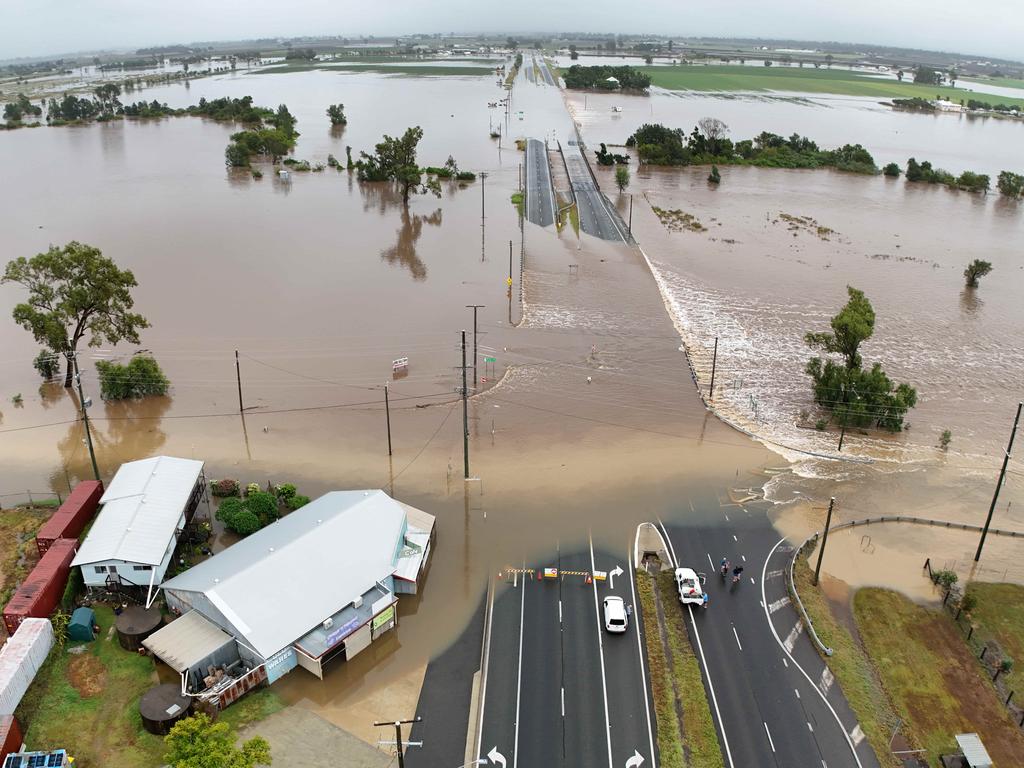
(616, 571)
(496, 757)
(857, 735)
(793, 635)
(778, 604)
(826, 680)
(635, 761)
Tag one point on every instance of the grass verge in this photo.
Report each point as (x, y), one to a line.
(670, 740)
(931, 676)
(852, 668)
(805, 80)
(1000, 613)
(18, 527)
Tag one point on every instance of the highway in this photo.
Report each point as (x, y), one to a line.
(540, 196)
(559, 689)
(545, 72)
(597, 217)
(769, 712)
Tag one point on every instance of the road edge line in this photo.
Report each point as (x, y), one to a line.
(485, 660)
(711, 687)
(640, 653)
(600, 653)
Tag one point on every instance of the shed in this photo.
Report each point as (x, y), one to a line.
(191, 644)
(81, 624)
(974, 751)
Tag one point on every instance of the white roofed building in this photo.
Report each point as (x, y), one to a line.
(144, 511)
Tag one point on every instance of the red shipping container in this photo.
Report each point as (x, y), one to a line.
(11, 737)
(42, 589)
(72, 516)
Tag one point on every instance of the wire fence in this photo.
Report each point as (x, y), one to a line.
(31, 498)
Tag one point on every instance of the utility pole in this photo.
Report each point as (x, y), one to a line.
(85, 417)
(474, 307)
(824, 539)
(1002, 476)
(714, 365)
(238, 376)
(465, 414)
(483, 179)
(509, 263)
(398, 736)
(629, 227)
(387, 413)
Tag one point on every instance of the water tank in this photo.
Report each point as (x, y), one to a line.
(135, 624)
(162, 707)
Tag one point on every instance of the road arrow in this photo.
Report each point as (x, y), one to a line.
(496, 757)
(635, 761)
(616, 571)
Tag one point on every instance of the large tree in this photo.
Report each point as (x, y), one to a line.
(75, 292)
(854, 396)
(198, 742)
(394, 160)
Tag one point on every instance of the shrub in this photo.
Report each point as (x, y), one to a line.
(251, 488)
(1010, 184)
(257, 173)
(820, 425)
(946, 578)
(968, 602)
(891, 170)
(72, 590)
(141, 377)
(47, 363)
(228, 509)
(225, 487)
(285, 491)
(296, 501)
(244, 522)
(945, 439)
(714, 177)
(465, 176)
(263, 505)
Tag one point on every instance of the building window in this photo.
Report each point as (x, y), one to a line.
(100, 568)
(142, 567)
(113, 569)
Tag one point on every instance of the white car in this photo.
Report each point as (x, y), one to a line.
(615, 618)
(690, 586)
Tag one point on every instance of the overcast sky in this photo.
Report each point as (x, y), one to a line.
(42, 27)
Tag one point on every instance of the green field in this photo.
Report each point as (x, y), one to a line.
(402, 69)
(1000, 612)
(1002, 82)
(805, 80)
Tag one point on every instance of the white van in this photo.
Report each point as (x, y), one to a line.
(615, 618)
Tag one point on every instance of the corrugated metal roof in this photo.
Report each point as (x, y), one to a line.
(186, 640)
(141, 509)
(282, 581)
(974, 750)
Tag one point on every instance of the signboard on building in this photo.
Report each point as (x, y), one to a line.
(336, 634)
(383, 622)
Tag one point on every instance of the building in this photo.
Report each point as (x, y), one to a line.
(144, 511)
(318, 585)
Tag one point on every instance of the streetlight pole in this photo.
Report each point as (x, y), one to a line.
(1002, 476)
(85, 417)
(398, 735)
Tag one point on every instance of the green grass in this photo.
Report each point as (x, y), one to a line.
(804, 80)
(1002, 82)
(670, 741)
(18, 527)
(851, 667)
(937, 686)
(1000, 613)
(252, 708)
(404, 70)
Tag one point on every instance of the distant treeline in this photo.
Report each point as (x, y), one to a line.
(917, 104)
(597, 78)
(707, 144)
(1009, 184)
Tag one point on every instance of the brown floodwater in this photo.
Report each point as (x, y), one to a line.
(588, 422)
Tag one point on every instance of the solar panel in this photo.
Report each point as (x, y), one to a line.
(12, 761)
(56, 759)
(37, 761)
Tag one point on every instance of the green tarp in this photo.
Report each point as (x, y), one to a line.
(82, 622)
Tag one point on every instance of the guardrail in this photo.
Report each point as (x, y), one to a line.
(924, 521)
(796, 595)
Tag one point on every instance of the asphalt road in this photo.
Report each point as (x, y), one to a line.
(560, 691)
(545, 72)
(540, 197)
(769, 713)
(597, 217)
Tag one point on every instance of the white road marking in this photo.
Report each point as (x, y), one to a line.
(744, 557)
(782, 602)
(773, 574)
(563, 701)
(797, 692)
(484, 666)
(711, 687)
(727, 517)
(734, 537)
(710, 560)
(786, 663)
(736, 635)
(826, 680)
(752, 580)
(519, 673)
(794, 633)
(640, 653)
(857, 735)
(690, 502)
(810, 727)
(770, 742)
(600, 648)
(671, 546)
(559, 612)
(807, 677)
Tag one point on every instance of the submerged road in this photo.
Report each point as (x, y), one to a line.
(597, 216)
(769, 711)
(560, 690)
(540, 196)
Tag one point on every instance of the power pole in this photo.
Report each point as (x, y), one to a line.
(629, 227)
(1002, 476)
(474, 307)
(824, 539)
(509, 263)
(398, 735)
(238, 376)
(387, 412)
(483, 179)
(465, 414)
(714, 365)
(85, 417)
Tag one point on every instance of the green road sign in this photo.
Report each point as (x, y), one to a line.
(490, 359)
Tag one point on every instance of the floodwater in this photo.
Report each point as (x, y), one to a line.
(588, 422)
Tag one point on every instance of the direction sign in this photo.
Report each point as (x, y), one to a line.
(490, 359)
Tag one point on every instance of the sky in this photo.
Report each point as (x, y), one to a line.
(44, 27)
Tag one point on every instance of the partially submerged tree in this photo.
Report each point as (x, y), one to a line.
(198, 742)
(622, 178)
(336, 112)
(394, 160)
(140, 377)
(976, 270)
(856, 397)
(75, 292)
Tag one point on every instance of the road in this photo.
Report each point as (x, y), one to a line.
(768, 711)
(597, 217)
(559, 690)
(545, 72)
(540, 196)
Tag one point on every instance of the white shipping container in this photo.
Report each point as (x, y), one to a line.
(20, 660)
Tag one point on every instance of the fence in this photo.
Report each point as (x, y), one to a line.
(983, 645)
(791, 584)
(45, 498)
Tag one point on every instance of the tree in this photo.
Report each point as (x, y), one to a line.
(892, 170)
(945, 439)
(74, 292)
(107, 96)
(622, 177)
(47, 363)
(854, 324)
(1010, 184)
(714, 177)
(394, 160)
(899, 75)
(648, 60)
(141, 377)
(713, 130)
(927, 76)
(829, 58)
(573, 53)
(336, 112)
(198, 742)
(976, 270)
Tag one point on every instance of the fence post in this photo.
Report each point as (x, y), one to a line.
(1008, 698)
(970, 632)
(983, 649)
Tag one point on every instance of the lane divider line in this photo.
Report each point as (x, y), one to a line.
(770, 742)
(600, 650)
(519, 672)
(736, 635)
(711, 688)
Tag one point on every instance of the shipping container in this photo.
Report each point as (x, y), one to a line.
(11, 737)
(20, 660)
(42, 589)
(72, 516)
